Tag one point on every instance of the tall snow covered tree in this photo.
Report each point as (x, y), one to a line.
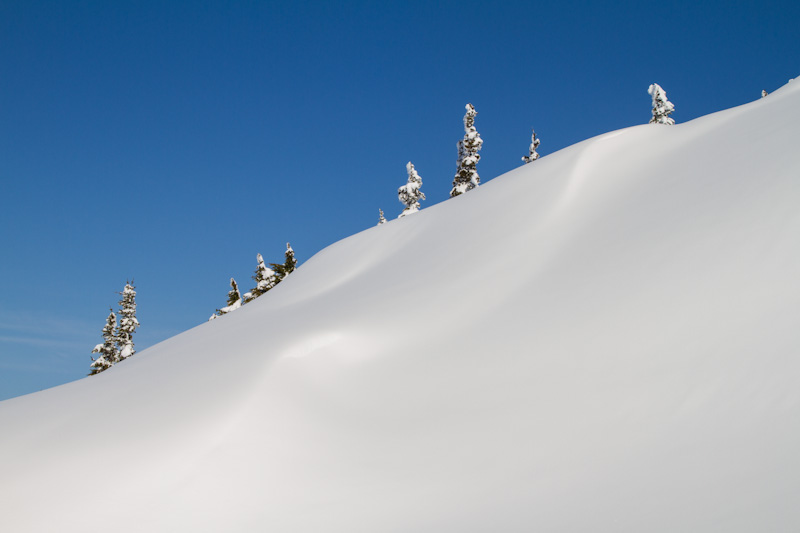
(265, 279)
(662, 108)
(764, 93)
(234, 301)
(127, 321)
(532, 155)
(381, 218)
(410, 193)
(109, 354)
(467, 177)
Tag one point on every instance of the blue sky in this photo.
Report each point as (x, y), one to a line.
(172, 141)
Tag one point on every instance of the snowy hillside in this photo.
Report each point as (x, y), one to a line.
(605, 340)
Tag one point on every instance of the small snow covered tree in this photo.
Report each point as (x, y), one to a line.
(662, 108)
(234, 301)
(467, 177)
(127, 321)
(532, 155)
(289, 264)
(381, 219)
(410, 193)
(109, 354)
(764, 93)
(234, 296)
(265, 279)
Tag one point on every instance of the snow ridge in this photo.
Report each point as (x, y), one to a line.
(608, 343)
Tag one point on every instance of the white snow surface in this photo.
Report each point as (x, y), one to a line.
(606, 341)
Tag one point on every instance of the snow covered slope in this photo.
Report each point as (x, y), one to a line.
(606, 340)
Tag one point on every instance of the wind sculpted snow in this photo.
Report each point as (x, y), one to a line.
(603, 341)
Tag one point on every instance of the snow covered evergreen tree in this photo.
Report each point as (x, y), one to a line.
(234, 301)
(265, 279)
(662, 108)
(127, 321)
(410, 193)
(764, 93)
(289, 264)
(234, 296)
(109, 354)
(467, 177)
(532, 155)
(381, 219)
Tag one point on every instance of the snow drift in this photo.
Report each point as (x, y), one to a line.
(605, 340)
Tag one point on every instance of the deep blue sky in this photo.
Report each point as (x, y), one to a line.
(172, 141)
